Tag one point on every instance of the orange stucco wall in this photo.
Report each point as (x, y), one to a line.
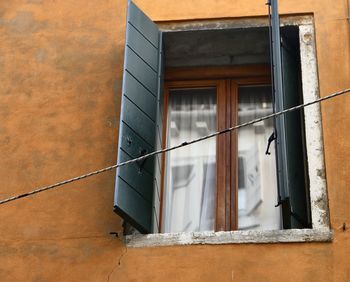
(60, 86)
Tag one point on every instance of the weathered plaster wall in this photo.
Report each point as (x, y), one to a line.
(60, 84)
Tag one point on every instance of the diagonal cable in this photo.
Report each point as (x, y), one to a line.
(61, 183)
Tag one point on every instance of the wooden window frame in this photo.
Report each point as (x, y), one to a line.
(227, 80)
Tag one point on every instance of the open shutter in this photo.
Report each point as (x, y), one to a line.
(290, 144)
(135, 193)
(297, 180)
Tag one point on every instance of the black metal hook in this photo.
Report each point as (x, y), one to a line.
(270, 140)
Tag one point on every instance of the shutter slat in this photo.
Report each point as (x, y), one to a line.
(132, 206)
(141, 71)
(140, 96)
(138, 179)
(142, 23)
(139, 121)
(143, 48)
(132, 144)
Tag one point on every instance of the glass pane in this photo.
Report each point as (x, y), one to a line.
(257, 180)
(190, 171)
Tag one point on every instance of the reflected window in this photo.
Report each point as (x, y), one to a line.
(257, 193)
(191, 171)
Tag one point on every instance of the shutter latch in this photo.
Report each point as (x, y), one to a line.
(128, 140)
(270, 140)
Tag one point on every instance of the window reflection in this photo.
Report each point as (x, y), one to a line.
(257, 183)
(190, 171)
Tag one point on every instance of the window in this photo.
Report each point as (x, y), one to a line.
(201, 190)
(139, 197)
(189, 189)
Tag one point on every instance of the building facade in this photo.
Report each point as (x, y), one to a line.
(61, 92)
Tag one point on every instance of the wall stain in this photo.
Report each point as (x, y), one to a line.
(321, 203)
(41, 55)
(35, 1)
(71, 60)
(321, 173)
(40, 250)
(7, 251)
(89, 105)
(6, 140)
(23, 23)
(93, 42)
(90, 87)
(111, 121)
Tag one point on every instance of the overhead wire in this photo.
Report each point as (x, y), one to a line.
(183, 144)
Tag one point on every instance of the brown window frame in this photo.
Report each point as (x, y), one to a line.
(227, 80)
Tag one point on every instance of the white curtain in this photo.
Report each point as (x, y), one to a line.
(190, 193)
(257, 191)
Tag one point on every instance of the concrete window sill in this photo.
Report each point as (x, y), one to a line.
(230, 237)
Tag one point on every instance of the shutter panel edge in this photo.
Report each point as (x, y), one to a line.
(158, 142)
(279, 105)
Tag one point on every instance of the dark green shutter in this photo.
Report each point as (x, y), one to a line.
(137, 185)
(297, 216)
(290, 143)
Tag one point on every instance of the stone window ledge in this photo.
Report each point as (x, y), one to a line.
(230, 237)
